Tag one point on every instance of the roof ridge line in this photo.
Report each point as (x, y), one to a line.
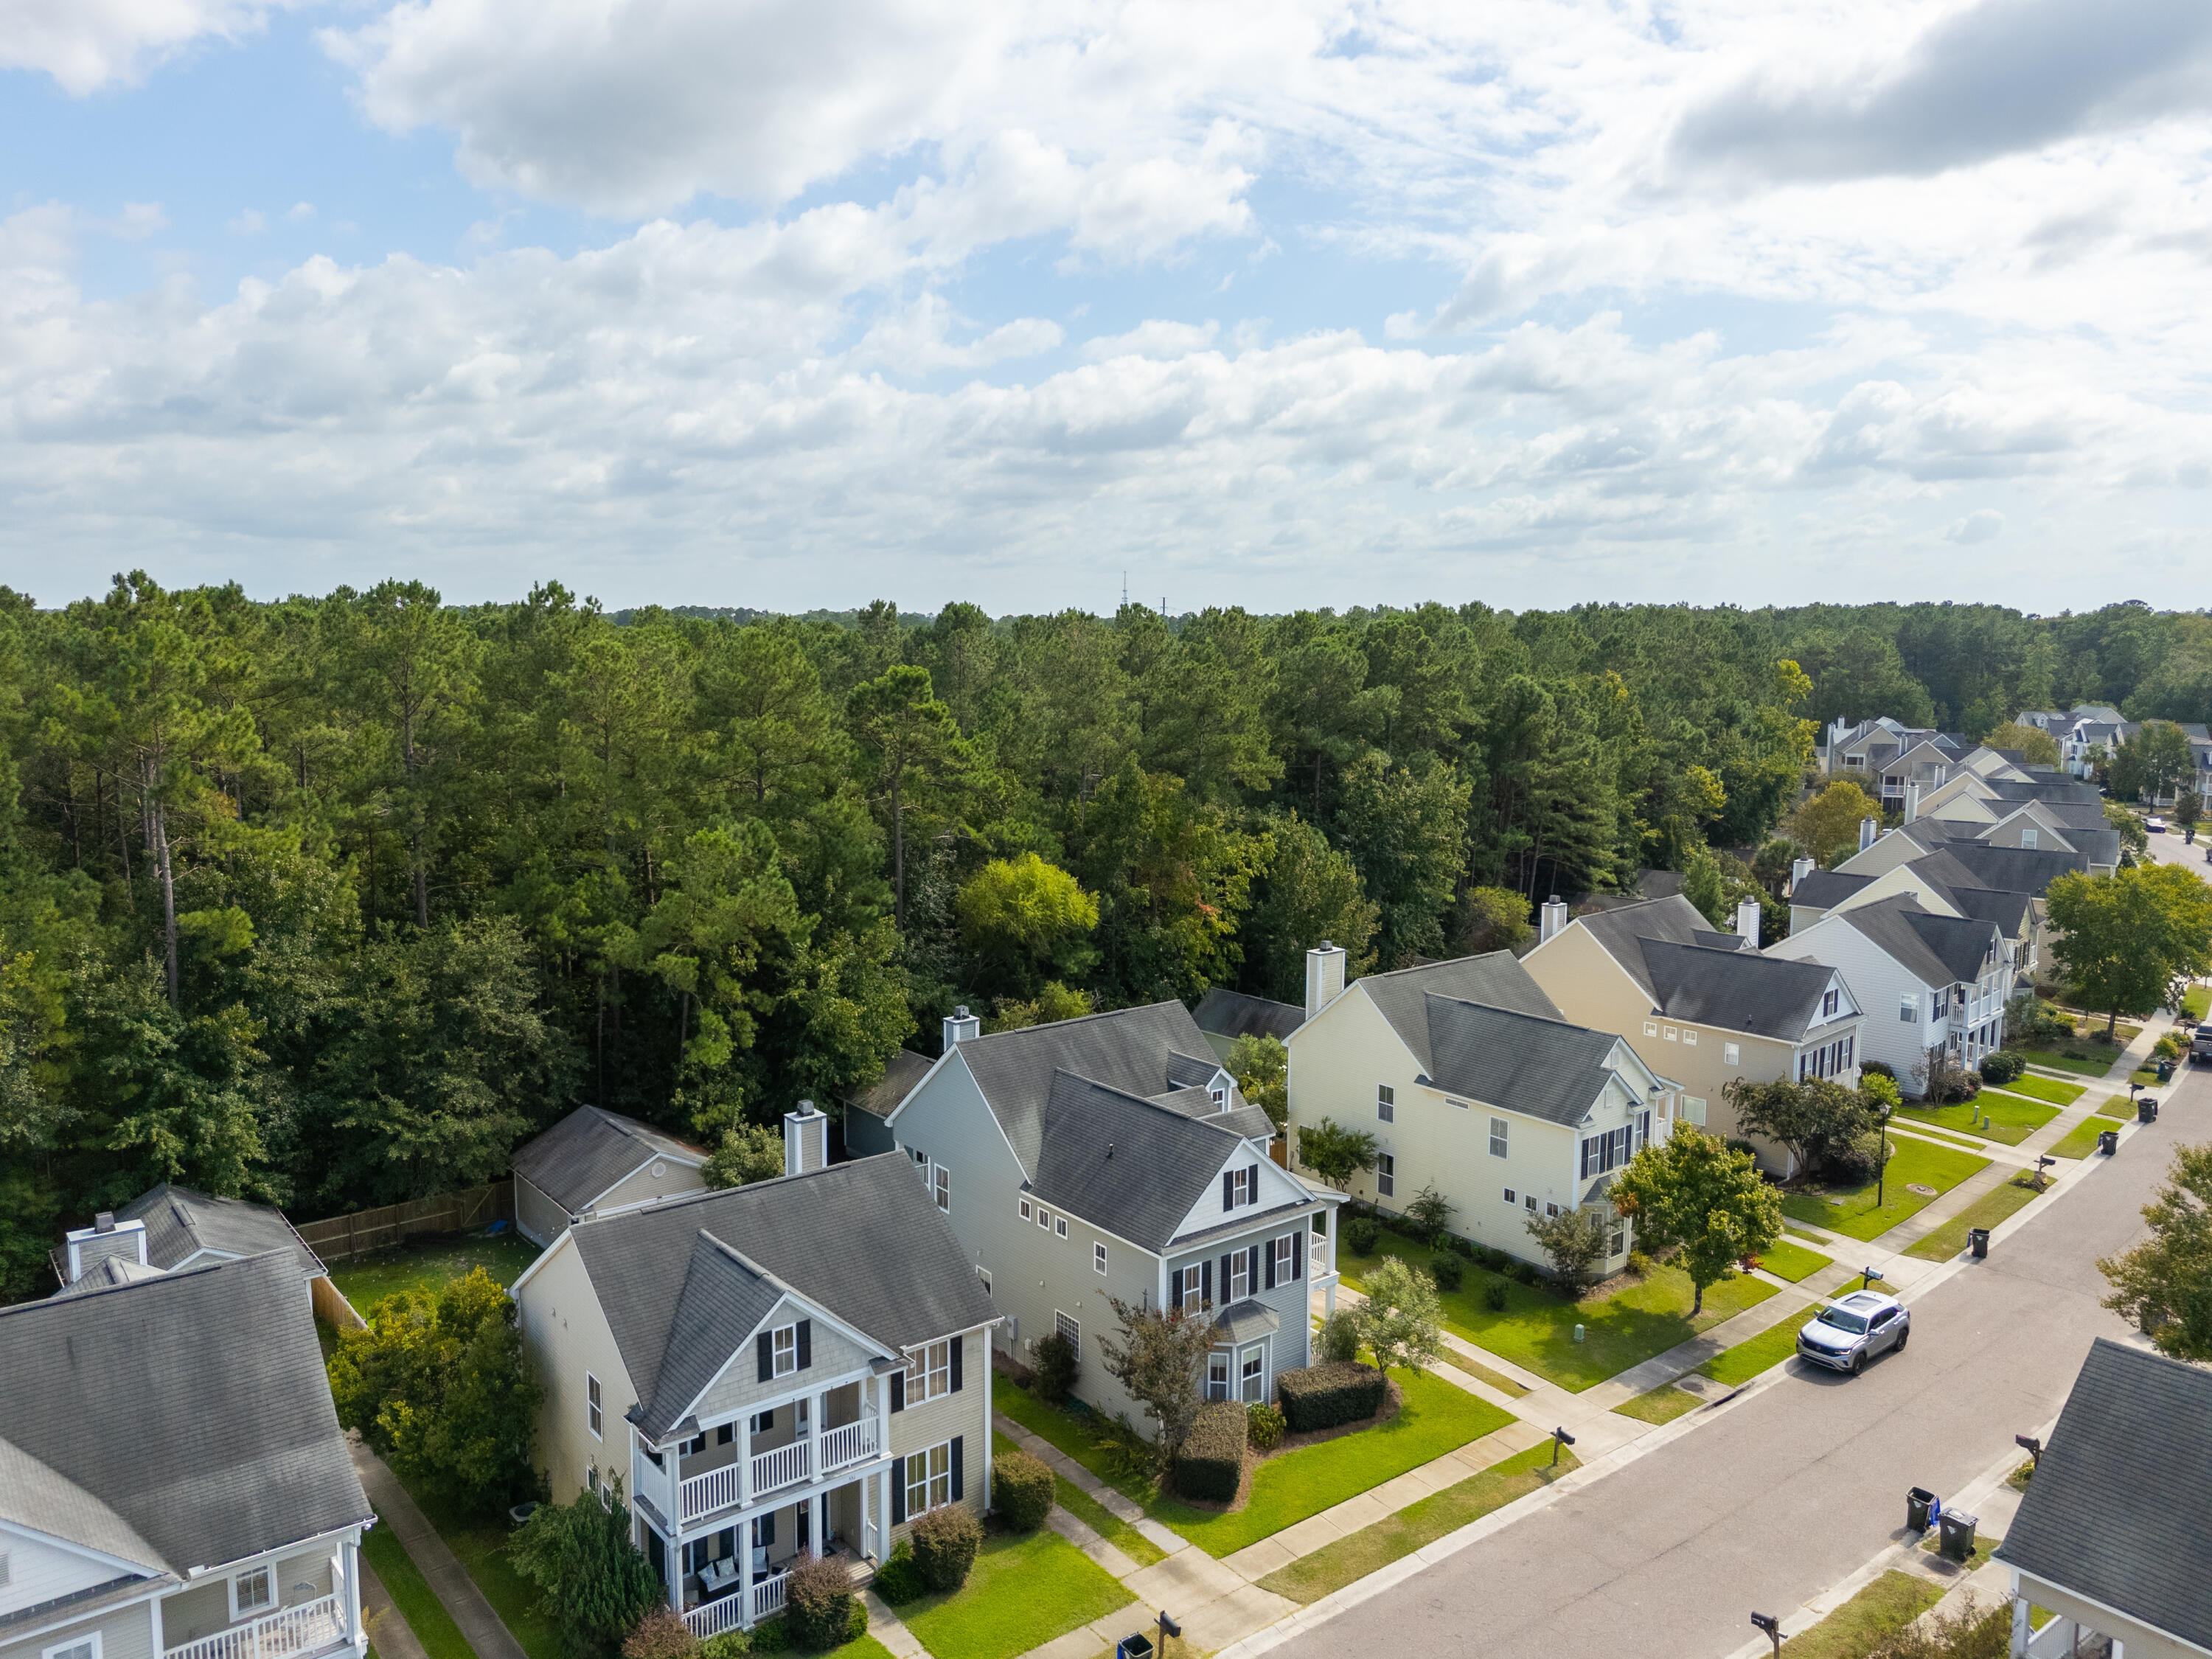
(1145, 1102)
(1076, 1019)
(1522, 1013)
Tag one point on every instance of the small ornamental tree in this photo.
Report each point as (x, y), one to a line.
(2165, 1282)
(1692, 1191)
(593, 1583)
(1161, 1360)
(1573, 1242)
(1402, 1321)
(1431, 1212)
(1334, 1152)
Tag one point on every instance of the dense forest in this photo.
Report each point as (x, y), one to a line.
(331, 901)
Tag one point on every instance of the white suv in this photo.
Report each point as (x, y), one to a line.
(1845, 1332)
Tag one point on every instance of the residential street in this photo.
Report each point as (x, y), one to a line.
(1784, 1494)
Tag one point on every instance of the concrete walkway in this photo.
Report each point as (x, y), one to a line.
(447, 1577)
(389, 1633)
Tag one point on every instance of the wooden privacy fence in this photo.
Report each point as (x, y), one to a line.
(345, 1237)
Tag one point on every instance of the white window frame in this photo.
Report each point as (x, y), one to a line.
(783, 1344)
(1731, 1053)
(1386, 1103)
(1044, 1217)
(1509, 1197)
(1286, 1257)
(1221, 1386)
(928, 1372)
(1673, 1036)
(1059, 1226)
(595, 1414)
(90, 1638)
(940, 1187)
(1689, 1038)
(1240, 1276)
(1651, 1028)
(1220, 1096)
(1068, 1328)
(1025, 1209)
(1908, 1010)
(267, 1573)
(1252, 1374)
(1386, 1176)
(1500, 1136)
(923, 1491)
(1098, 1254)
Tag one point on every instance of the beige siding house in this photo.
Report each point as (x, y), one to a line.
(798, 1365)
(594, 1162)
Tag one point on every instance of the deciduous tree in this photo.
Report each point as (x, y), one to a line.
(2165, 1282)
(1160, 1358)
(1694, 1194)
(2130, 942)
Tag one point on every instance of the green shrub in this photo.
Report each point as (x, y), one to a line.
(858, 1625)
(1361, 1234)
(1448, 1271)
(898, 1581)
(1323, 1396)
(1021, 1490)
(2168, 1047)
(945, 1544)
(1497, 1260)
(660, 1635)
(1495, 1296)
(2002, 1067)
(1052, 1376)
(817, 1603)
(1210, 1464)
(730, 1644)
(1339, 1339)
(1465, 1246)
(1876, 1068)
(1640, 1264)
(1263, 1425)
(771, 1635)
(590, 1577)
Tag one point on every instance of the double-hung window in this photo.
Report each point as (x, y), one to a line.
(1386, 1103)
(1498, 1128)
(1240, 1186)
(594, 1414)
(1253, 1374)
(1098, 1255)
(1217, 1375)
(928, 1372)
(1386, 1176)
(928, 1480)
(1240, 1275)
(783, 1350)
(941, 1185)
(253, 1591)
(77, 1647)
(1286, 1257)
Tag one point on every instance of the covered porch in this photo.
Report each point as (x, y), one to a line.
(735, 1576)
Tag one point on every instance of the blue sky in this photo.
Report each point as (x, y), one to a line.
(758, 301)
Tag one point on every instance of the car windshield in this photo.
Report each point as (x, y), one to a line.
(1844, 1320)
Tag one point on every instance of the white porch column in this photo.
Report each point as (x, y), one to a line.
(744, 1437)
(2019, 1631)
(675, 1527)
(349, 1560)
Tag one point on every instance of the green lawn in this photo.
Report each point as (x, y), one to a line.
(1944, 1135)
(1436, 1417)
(1738, 1365)
(1662, 1405)
(1093, 1514)
(1984, 1546)
(1911, 1162)
(1792, 1261)
(2012, 1118)
(1482, 1373)
(2118, 1106)
(2046, 1088)
(2146, 1076)
(2080, 1140)
(1537, 1330)
(428, 1263)
(1074, 1432)
(2196, 1002)
(1023, 1590)
(2089, 1066)
(1334, 1566)
(1948, 1238)
(1881, 1610)
(1810, 1238)
(480, 1544)
(411, 1593)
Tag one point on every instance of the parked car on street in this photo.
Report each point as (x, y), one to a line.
(2154, 824)
(2200, 1045)
(1847, 1333)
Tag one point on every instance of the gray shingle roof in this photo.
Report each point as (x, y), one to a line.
(1546, 1068)
(192, 1404)
(1734, 990)
(1126, 1162)
(861, 1241)
(33, 1495)
(2014, 869)
(2121, 1503)
(180, 1222)
(1247, 1320)
(1247, 1121)
(1934, 950)
(2009, 911)
(901, 1073)
(1824, 890)
(1495, 979)
(1224, 1012)
(589, 1151)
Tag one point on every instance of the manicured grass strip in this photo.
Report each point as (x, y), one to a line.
(1911, 1161)
(1896, 1129)
(2080, 1140)
(411, 1595)
(2196, 1002)
(1813, 1239)
(1482, 1373)
(861, 1647)
(1662, 1405)
(2118, 1106)
(1948, 1237)
(2046, 1088)
(1735, 1366)
(2058, 1062)
(1436, 1417)
(368, 1279)
(2145, 1075)
(1536, 1330)
(1984, 1544)
(480, 1544)
(1881, 1609)
(1792, 1261)
(1023, 1592)
(2012, 1118)
(1334, 1566)
(1103, 1522)
(1070, 1432)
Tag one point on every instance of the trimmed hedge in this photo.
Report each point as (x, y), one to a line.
(1021, 1490)
(1362, 1234)
(1210, 1465)
(817, 1603)
(2002, 1067)
(945, 1544)
(899, 1580)
(1448, 1271)
(1324, 1396)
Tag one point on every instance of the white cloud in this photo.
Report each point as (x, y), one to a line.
(86, 45)
(1154, 337)
(1978, 526)
(251, 223)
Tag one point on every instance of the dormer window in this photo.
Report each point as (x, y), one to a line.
(1240, 1186)
(1219, 1095)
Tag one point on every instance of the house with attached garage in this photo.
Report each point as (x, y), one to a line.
(802, 1365)
(1473, 1083)
(595, 1162)
(1699, 1006)
(174, 1482)
(1112, 1158)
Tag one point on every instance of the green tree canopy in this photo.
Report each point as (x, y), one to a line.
(2130, 942)
(1827, 824)
(2165, 1284)
(1693, 1194)
(2037, 746)
(1025, 920)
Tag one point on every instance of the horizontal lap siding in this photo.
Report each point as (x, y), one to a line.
(567, 1335)
(962, 1414)
(125, 1633)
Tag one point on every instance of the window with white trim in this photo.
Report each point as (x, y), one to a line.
(783, 1350)
(1693, 1111)
(594, 1415)
(1672, 1034)
(1286, 1257)
(928, 1480)
(928, 1372)
(1025, 1209)
(1731, 1053)
(1499, 1128)
(1551, 1210)
(1528, 1201)
(1044, 1217)
(1510, 1198)
(1217, 1375)
(1219, 1095)
(1386, 1103)
(253, 1591)
(941, 1185)
(1059, 1226)
(86, 1646)
(1240, 1276)
(1070, 1328)
(1386, 1175)
(1651, 1028)
(1098, 1255)
(1689, 1038)
(1908, 1010)
(1829, 1001)
(1253, 1374)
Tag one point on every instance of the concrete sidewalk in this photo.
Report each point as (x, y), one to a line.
(447, 1577)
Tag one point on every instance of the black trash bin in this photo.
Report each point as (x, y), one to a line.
(2146, 1108)
(1955, 1536)
(2166, 1071)
(1920, 1509)
(2108, 1141)
(1139, 1646)
(1977, 1241)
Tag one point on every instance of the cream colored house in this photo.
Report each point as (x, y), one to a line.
(803, 1364)
(594, 1162)
(1473, 1083)
(1699, 1006)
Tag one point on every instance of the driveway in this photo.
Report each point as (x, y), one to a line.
(1788, 1492)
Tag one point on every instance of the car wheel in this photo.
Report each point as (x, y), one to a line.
(1859, 1363)
(1901, 1337)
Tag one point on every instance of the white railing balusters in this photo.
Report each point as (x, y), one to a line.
(786, 1466)
(717, 1489)
(848, 1442)
(768, 1595)
(287, 1631)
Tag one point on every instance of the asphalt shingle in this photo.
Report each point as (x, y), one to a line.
(588, 1151)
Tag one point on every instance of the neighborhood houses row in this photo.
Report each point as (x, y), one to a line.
(807, 1362)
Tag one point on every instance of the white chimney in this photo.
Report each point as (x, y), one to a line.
(1912, 802)
(1746, 921)
(1552, 918)
(1324, 976)
(1800, 868)
(805, 1139)
(107, 1237)
(1869, 829)
(959, 1026)
(1838, 731)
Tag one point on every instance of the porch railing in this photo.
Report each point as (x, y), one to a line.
(299, 1629)
(712, 1618)
(784, 1467)
(848, 1442)
(768, 1595)
(717, 1489)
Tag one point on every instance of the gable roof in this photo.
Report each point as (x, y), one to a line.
(1934, 950)
(588, 1151)
(35, 1496)
(1734, 990)
(192, 1406)
(1232, 1014)
(1127, 1163)
(1824, 890)
(861, 1241)
(2008, 911)
(180, 1223)
(1526, 1063)
(2014, 869)
(1246, 1122)
(1494, 980)
(2121, 1503)
(901, 1073)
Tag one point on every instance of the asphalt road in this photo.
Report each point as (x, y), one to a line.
(1786, 1493)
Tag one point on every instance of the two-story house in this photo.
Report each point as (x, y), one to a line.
(1111, 1158)
(174, 1482)
(1699, 1006)
(799, 1364)
(1949, 978)
(593, 1162)
(1939, 882)
(1474, 1084)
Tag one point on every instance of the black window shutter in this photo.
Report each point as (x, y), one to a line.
(898, 1391)
(1271, 1265)
(805, 1343)
(1229, 1189)
(763, 1347)
(1228, 1276)
(898, 1478)
(956, 1364)
(1205, 1280)
(1299, 1253)
(1252, 1272)
(957, 1485)
(1175, 1288)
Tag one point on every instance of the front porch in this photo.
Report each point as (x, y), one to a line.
(733, 1577)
